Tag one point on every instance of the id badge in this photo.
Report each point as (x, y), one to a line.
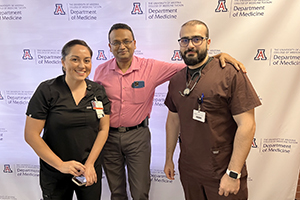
(138, 84)
(98, 107)
(199, 115)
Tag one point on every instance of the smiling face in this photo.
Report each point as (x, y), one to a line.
(124, 51)
(77, 63)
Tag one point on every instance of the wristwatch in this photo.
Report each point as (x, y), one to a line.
(233, 174)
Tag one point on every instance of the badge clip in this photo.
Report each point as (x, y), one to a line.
(98, 107)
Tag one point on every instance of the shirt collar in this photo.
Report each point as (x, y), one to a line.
(134, 66)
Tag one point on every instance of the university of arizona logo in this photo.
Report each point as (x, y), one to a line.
(59, 9)
(1, 97)
(27, 55)
(260, 55)
(101, 55)
(7, 169)
(137, 9)
(254, 145)
(221, 6)
(176, 56)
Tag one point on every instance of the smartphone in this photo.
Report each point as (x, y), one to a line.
(79, 180)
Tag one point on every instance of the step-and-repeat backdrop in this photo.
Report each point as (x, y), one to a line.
(263, 34)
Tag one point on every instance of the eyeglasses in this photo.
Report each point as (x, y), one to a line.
(196, 41)
(118, 43)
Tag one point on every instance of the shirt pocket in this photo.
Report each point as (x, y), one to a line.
(213, 104)
(138, 95)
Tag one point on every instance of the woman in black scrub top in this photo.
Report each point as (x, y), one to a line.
(73, 113)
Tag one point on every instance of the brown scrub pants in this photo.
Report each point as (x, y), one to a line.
(207, 189)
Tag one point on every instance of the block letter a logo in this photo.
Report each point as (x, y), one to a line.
(136, 9)
(260, 55)
(26, 55)
(221, 6)
(176, 55)
(59, 10)
(7, 169)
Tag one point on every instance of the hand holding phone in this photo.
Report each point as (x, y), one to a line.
(79, 180)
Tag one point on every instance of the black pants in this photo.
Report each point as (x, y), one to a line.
(62, 187)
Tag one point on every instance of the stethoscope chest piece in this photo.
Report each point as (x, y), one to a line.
(186, 91)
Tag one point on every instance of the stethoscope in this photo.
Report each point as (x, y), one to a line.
(187, 90)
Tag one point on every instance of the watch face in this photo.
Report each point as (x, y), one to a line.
(233, 175)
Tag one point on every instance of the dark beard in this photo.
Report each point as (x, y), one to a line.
(191, 61)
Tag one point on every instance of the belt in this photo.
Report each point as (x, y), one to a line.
(122, 129)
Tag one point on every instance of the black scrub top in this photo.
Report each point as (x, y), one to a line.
(70, 130)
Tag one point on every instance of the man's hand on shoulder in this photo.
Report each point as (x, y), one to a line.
(224, 57)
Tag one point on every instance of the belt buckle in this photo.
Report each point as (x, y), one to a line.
(122, 129)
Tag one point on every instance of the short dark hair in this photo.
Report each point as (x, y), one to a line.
(197, 22)
(67, 47)
(120, 26)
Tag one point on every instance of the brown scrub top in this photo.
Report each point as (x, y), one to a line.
(206, 147)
